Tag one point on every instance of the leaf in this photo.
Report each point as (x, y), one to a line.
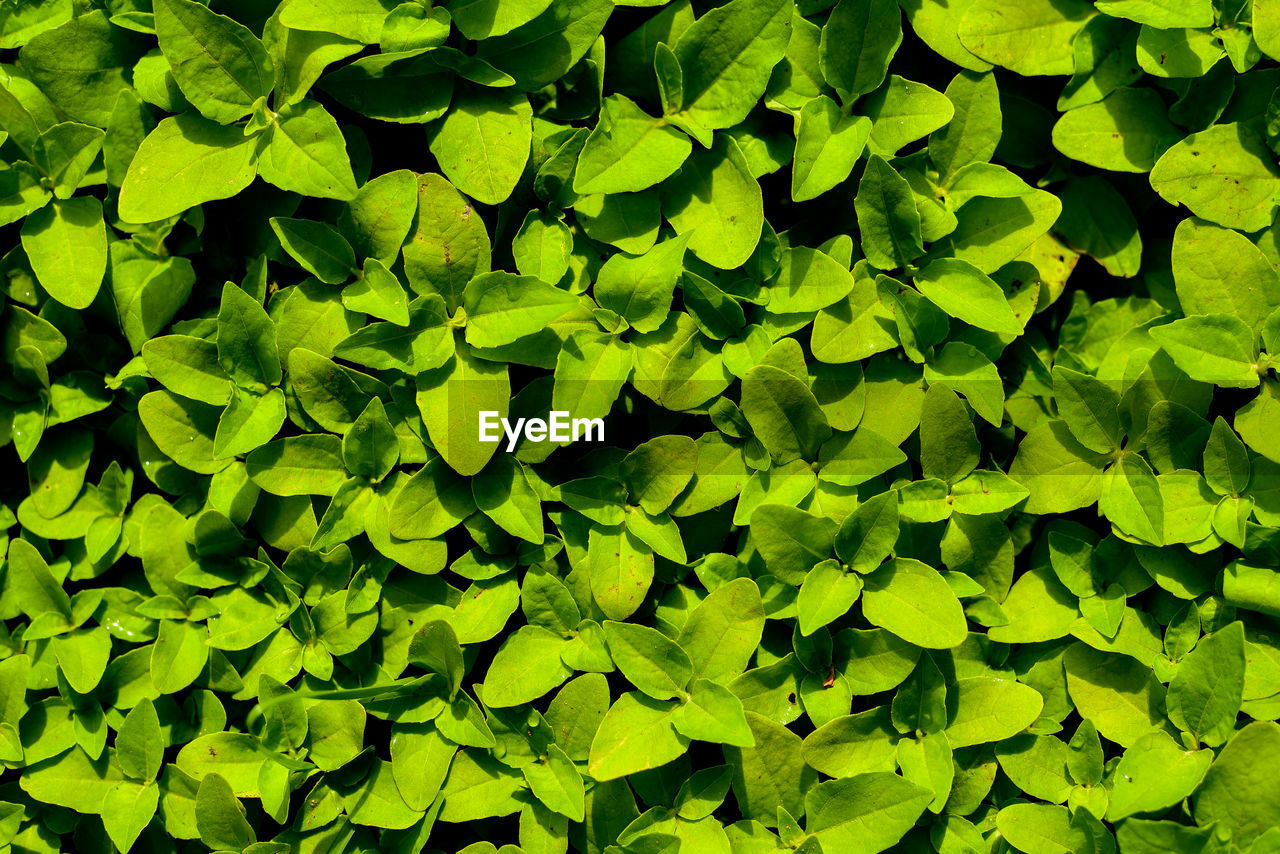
(1236, 792)
(66, 243)
(964, 292)
(913, 601)
(1127, 131)
(635, 735)
(1204, 696)
(726, 56)
(186, 161)
(1027, 38)
(219, 65)
(867, 536)
(526, 667)
(639, 289)
(716, 198)
(127, 809)
(1089, 408)
(480, 19)
(502, 308)
(448, 244)
(496, 123)
(949, 446)
(1119, 695)
(828, 145)
(1154, 774)
(317, 247)
(722, 632)
(450, 400)
(628, 150)
(1223, 174)
(828, 592)
(783, 413)
(809, 280)
(1205, 256)
(982, 709)
(307, 154)
(858, 40)
(219, 816)
(651, 662)
(770, 775)
(887, 217)
(139, 742)
(866, 812)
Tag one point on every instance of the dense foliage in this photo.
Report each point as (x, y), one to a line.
(939, 502)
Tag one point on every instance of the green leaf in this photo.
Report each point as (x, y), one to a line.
(1205, 257)
(1224, 174)
(310, 464)
(307, 154)
(828, 145)
(127, 809)
(628, 150)
(981, 709)
(480, 19)
(370, 448)
(450, 399)
(716, 197)
(721, 634)
(526, 667)
(1205, 693)
(247, 340)
(317, 247)
(964, 292)
(219, 816)
(858, 40)
(72, 780)
(649, 661)
(866, 812)
(139, 742)
(502, 491)
(502, 308)
(66, 243)
(887, 217)
(182, 429)
(186, 161)
(809, 280)
(640, 288)
(974, 133)
(867, 536)
(913, 601)
(1238, 792)
(1156, 773)
(828, 592)
(783, 414)
(1160, 13)
(620, 569)
(1089, 408)
(1131, 499)
(726, 57)
(430, 503)
(448, 244)
(219, 65)
(1125, 132)
(1027, 38)
(1118, 694)
(495, 122)
(949, 446)
(635, 735)
(903, 111)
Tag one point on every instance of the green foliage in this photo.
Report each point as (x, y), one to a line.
(935, 342)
